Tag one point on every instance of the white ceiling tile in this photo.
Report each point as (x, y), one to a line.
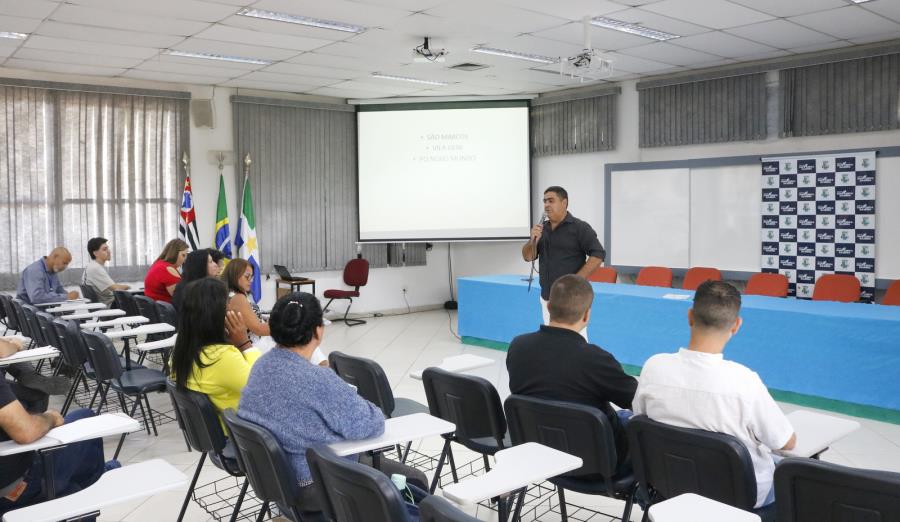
(325, 57)
(367, 15)
(247, 36)
(182, 9)
(311, 70)
(201, 62)
(535, 45)
(364, 54)
(7, 48)
(888, 9)
(381, 86)
(64, 68)
(95, 48)
(601, 38)
(104, 35)
(422, 24)
(873, 38)
(275, 27)
(848, 22)
(18, 24)
(199, 45)
(268, 86)
(172, 77)
(668, 53)
(723, 44)
(716, 63)
(657, 21)
(782, 9)
(717, 14)
(263, 76)
(209, 68)
(821, 47)
(407, 5)
(401, 45)
(500, 17)
(634, 64)
(767, 56)
(78, 14)
(570, 9)
(635, 3)
(26, 53)
(28, 8)
(781, 34)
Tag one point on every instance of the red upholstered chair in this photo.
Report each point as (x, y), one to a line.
(773, 285)
(356, 274)
(892, 296)
(699, 275)
(604, 274)
(837, 287)
(655, 276)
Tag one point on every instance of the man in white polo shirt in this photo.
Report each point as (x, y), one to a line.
(698, 388)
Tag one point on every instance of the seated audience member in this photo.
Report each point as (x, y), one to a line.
(206, 359)
(75, 467)
(159, 284)
(40, 283)
(32, 389)
(219, 259)
(303, 404)
(557, 363)
(238, 275)
(197, 265)
(95, 273)
(698, 388)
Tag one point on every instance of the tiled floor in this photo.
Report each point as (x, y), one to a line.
(404, 343)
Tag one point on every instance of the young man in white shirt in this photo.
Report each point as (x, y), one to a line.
(95, 273)
(698, 388)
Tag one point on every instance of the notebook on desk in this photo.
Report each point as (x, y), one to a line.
(285, 274)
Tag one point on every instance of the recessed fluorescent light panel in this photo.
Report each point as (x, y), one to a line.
(514, 54)
(302, 20)
(638, 29)
(13, 36)
(406, 79)
(220, 57)
(859, 1)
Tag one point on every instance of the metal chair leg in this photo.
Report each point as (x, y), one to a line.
(122, 438)
(562, 504)
(452, 464)
(190, 491)
(237, 505)
(440, 466)
(263, 512)
(150, 413)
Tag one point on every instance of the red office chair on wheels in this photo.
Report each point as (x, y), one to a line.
(356, 274)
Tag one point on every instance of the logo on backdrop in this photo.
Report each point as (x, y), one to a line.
(818, 216)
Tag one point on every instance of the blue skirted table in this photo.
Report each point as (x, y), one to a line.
(842, 357)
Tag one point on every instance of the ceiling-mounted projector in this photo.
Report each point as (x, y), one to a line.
(423, 53)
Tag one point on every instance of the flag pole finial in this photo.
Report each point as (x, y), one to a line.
(247, 162)
(186, 161)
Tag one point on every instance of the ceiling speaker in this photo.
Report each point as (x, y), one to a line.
(202, 113)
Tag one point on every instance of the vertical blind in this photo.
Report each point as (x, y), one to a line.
(834, 98)
(75, 165)
(709, 111)
(581, 125)
(303, 177)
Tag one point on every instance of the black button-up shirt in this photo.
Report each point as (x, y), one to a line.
(564, 250)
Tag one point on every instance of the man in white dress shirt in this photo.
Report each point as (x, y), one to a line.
(697, 388)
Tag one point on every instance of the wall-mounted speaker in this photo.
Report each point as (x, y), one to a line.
(202, 113)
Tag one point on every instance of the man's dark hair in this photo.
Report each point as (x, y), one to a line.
(716, 305)
(559, 191)
(570, 297)
(94, 245)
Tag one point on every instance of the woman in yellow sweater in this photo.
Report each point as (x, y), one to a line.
(212, 353)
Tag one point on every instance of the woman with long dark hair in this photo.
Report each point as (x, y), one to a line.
(197, 265)
(212, 353)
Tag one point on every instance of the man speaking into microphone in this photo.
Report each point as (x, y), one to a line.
(563, 245)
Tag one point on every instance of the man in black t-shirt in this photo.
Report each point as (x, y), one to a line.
(76, 466)
(557, 363)
(563, 244)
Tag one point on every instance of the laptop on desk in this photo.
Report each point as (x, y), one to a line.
(285, 274)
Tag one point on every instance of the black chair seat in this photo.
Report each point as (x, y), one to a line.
(487, 445)
(89, 370)
(227, 460)
(403, 406)
(141, 380)
(595, 484)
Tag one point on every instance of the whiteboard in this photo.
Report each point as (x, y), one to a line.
(725, 221)
(887, 218)
(650, 218)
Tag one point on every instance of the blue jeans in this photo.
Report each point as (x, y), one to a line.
(75, 467)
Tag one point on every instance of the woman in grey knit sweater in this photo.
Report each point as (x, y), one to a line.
(303, 404)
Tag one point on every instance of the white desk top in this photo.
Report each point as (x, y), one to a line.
(516, 468)
(141, 330)
(694, 508)
(69, 307)
(457, 364)
(168, 342)
(90, 428)
(399, 429)
(77, 316)
(138, 290)
(34, 354)
(118, 321)
(61, 303)
(816, 431)
(119, 485)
